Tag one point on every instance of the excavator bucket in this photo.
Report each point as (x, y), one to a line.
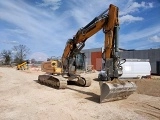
(115, 91)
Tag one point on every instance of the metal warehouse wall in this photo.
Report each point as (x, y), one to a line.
(90, 55)
(152, 54)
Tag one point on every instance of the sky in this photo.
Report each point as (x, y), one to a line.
(44, 26)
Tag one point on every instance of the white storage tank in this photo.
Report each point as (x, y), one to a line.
(136, 68)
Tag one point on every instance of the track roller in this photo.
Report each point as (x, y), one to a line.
(86, 82)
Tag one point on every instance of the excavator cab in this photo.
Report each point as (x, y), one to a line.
(78, 63)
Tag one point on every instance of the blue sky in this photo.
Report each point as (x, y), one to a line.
(44, 26)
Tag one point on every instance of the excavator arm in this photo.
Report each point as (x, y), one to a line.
(106, 21)
(110, 86)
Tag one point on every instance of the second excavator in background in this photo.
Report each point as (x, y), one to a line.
(22, 66)
(111, 87)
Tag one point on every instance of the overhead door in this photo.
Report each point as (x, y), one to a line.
(96, 60)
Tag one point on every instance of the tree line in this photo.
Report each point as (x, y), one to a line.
(16, 55)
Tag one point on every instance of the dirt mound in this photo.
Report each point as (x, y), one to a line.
(148, 87)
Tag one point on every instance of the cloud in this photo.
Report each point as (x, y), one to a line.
(52, 4)
(155, 38)
(129, 19)
(40, 56)
(47, 31)
(34, 26)
(83, 11)
(16, 31)
(145, 33)
(140, 39)
(126, 9)
(13, 42)
(132, 6)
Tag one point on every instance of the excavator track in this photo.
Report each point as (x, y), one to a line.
(54, 81)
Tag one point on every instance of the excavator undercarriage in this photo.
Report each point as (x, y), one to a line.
(54, 76)
(60, 82)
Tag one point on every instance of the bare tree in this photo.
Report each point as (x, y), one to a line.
(7, 56)
(21, 52)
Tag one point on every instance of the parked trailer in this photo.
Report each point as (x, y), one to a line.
(136, 68)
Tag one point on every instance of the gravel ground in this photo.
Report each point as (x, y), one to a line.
(23, 98)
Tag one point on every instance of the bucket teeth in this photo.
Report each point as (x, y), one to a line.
(115, 91)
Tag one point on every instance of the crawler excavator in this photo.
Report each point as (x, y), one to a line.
(111, 87)
(22, 66)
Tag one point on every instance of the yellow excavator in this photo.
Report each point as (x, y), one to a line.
(111, 87)
(22, 66)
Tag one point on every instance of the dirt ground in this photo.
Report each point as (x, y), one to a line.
(22, 98)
